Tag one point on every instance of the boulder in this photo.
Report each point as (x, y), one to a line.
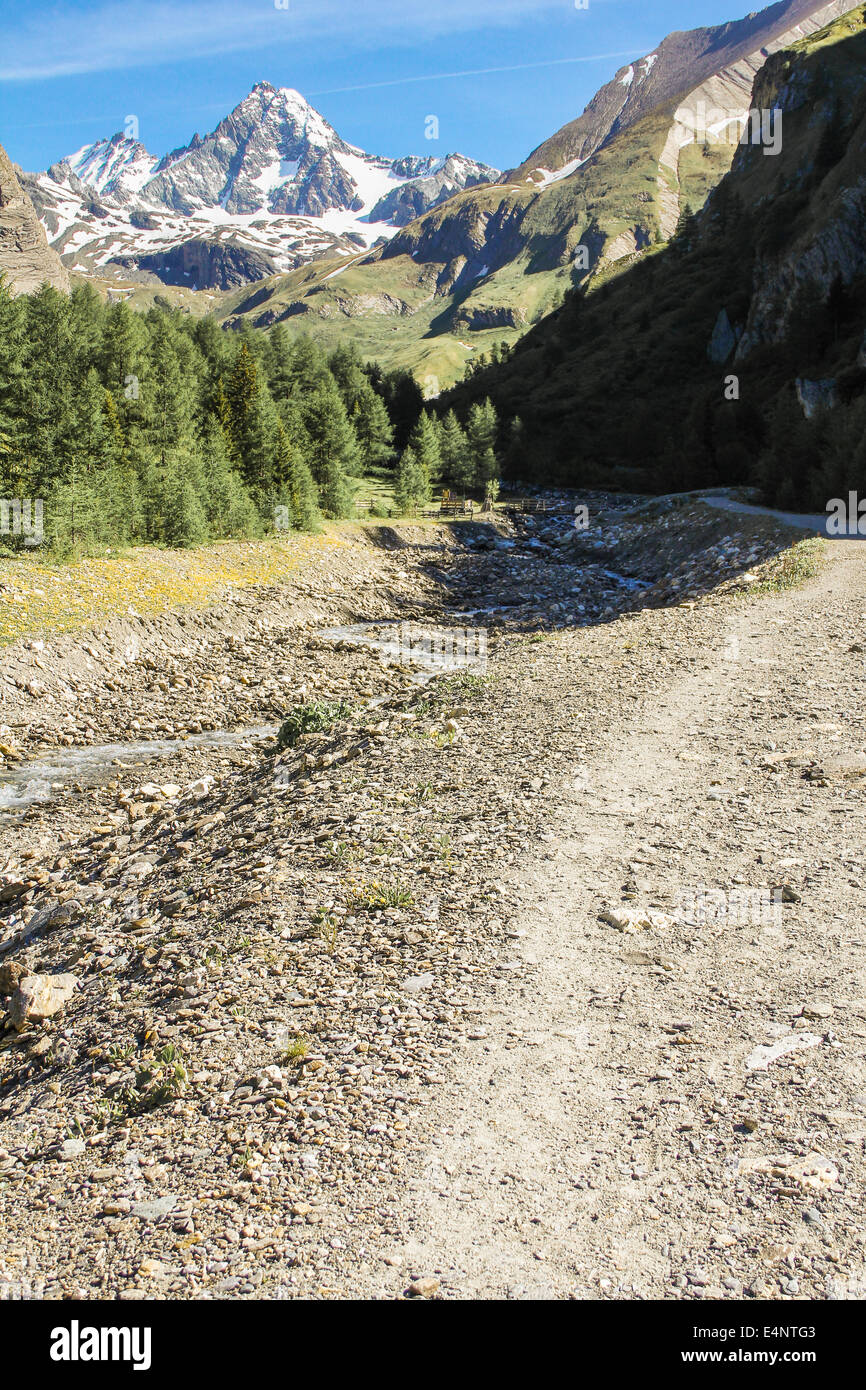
(39, 997)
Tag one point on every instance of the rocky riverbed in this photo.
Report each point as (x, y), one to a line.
(246, 984)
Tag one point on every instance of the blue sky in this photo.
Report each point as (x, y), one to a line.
(73, 70)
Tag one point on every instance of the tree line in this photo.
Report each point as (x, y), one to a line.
(159, 428)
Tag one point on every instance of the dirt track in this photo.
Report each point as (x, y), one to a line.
(592, 1141)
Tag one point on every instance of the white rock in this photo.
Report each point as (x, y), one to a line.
(416, 983)
(762, 1056)
(201, 788)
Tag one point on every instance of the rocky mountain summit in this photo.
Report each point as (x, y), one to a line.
(26, 259)
(274, 179)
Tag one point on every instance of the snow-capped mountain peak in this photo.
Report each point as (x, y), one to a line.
(273, 177)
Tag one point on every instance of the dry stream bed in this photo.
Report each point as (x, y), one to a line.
(333, 1019)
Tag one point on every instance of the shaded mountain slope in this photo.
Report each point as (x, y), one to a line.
(698, 364)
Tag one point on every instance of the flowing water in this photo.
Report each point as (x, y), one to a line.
(42, 779)
(426, 649)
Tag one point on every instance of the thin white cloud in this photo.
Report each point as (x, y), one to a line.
(475, 72)
(114, 34)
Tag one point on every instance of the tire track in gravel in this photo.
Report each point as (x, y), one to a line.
(560, 1160)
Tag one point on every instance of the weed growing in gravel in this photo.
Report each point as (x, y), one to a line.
(246, 1160)
(329, 929)
(314, 718)
(294, 1049)
(373, 896)
(106, 1113)
(444, 849)
(342, 852)
(443, 738)
(157, 1082)
(462, 684)
(446, 691)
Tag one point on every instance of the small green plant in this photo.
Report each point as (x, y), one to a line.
(245, 1159)
(443, 738)
(373, 896)
(313, 718)
(164, 1078)
(329, 929)
(107, 1112)
(121, 1052)
(295, 1049)
(342, 852)
(443, 848)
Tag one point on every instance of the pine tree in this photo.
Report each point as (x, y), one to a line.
(184, 516)
(333, 453)
(229, 509)
(481, 434)
(295, 482)
(121, 360)
(373, 429)
(424, 444)
(170, 405)
(412, 487)
(251, 422)
(454, 452)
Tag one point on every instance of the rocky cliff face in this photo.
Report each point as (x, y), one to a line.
(830, 243)
(26, 259)
(200, 264)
